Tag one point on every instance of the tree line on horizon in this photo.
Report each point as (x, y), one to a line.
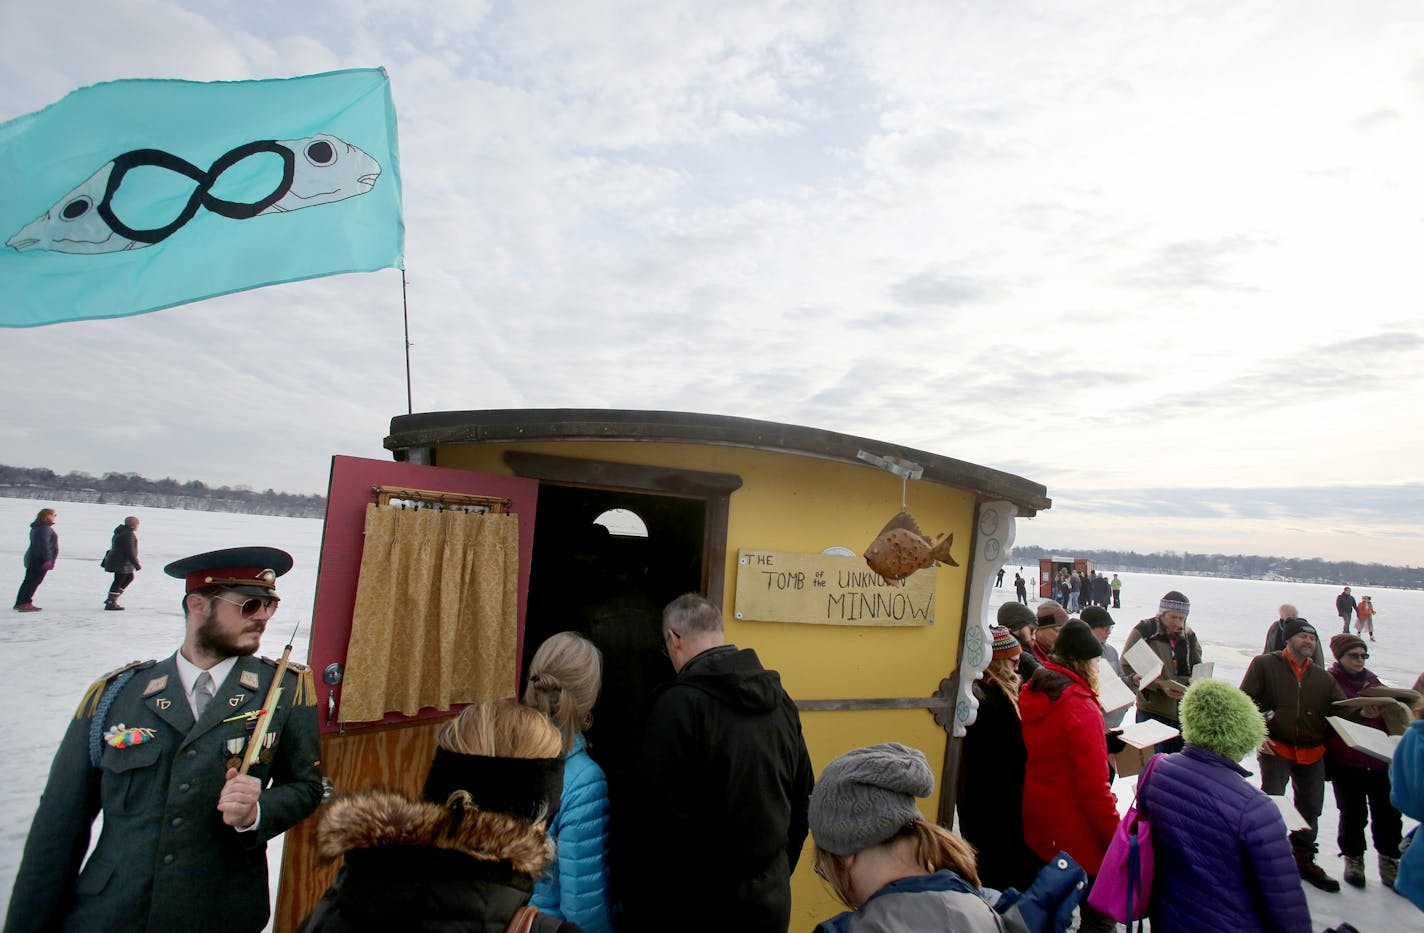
(166, 493)
(132, 489)
(1239, 566)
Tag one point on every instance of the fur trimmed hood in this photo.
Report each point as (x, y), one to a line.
(373, 819)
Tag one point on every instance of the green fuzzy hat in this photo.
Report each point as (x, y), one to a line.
(1219, 717)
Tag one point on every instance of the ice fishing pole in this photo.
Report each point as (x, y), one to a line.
(269, 706)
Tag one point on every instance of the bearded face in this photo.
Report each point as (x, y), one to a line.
(224, 633)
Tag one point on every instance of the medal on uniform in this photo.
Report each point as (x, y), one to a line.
(234, 750)
(120, 736)
(269, 741)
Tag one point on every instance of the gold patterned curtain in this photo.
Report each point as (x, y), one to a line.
(437, 612)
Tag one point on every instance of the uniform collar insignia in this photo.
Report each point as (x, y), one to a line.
(155, 685)
(236, 701)
(163, 702)
(248, 679)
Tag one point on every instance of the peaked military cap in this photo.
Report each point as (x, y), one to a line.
(250, 570)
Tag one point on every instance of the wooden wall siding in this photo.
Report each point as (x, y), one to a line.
(396, 757)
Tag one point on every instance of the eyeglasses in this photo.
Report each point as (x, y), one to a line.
(666, 633)
(251, 606)
(1357, 655)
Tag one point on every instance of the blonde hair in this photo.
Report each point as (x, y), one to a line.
(1003, 673)
(935, 848)
(500, 729)
(45, 513)
(1084, 668)
(564, 679)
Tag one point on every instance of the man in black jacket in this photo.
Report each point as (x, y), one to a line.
(1345, 606)
(122, 561)
(723, 781)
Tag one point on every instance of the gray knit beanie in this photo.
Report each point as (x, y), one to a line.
(866, 795)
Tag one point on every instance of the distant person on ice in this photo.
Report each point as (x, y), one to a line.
(122, 561)
(155, 747)
(1020, 589)
(1345, 605)
(1365, 618)
(999, 581)
(39, 558)
(1116, 585)
(1276, 633)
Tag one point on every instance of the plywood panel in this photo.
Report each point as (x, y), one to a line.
(397, 757)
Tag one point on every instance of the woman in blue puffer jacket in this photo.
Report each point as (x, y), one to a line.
(1223, 859)
(564, 679)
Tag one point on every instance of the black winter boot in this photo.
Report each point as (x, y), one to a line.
(112, 604)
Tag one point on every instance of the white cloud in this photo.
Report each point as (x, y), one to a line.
(1101, 246)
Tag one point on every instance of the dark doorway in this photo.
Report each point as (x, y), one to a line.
(611, 588)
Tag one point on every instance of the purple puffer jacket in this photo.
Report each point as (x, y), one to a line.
(1223, 859)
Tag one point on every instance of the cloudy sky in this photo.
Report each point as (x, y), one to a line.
(1155, 256)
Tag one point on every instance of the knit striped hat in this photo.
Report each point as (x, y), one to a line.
(1175, 602)
(1005, 644)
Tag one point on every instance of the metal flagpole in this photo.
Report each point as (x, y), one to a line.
(405, 314)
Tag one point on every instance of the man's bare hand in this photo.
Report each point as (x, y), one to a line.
(238, 801)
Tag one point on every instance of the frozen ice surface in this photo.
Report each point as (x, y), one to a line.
(52, 656)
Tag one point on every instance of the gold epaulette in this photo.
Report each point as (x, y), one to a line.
(305, 694)
(306, 689)
(291, 665)
(89, 705)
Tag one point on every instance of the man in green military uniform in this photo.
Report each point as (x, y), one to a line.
(157, 747)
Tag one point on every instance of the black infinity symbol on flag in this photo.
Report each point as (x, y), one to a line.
(201, 196)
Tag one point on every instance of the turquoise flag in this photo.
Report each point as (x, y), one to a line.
(137, 195)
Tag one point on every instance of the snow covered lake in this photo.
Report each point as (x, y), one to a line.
(55, 654)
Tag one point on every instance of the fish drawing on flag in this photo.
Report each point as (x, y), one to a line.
(317, 170)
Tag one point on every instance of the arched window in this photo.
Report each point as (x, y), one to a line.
(622, 523)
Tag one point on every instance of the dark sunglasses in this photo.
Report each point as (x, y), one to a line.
(252, 605)
(1358, 655)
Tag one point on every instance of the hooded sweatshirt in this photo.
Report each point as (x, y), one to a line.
(724, 781)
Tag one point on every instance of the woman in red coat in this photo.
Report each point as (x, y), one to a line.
(1068, 802)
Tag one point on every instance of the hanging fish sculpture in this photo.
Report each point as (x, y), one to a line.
(901, 549)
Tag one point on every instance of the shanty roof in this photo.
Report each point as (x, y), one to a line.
(503, 425)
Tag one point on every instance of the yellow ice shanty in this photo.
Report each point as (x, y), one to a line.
(619, 511)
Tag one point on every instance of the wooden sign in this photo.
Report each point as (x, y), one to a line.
(825, 589)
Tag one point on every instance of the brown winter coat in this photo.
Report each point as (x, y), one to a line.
(1295, 710)
(1153, 699)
